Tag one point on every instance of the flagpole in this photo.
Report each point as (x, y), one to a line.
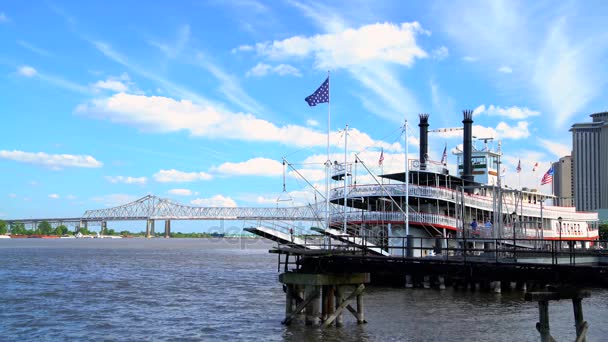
(406, 176)
(328, 163)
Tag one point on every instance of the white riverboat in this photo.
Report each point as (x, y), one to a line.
(440, 204)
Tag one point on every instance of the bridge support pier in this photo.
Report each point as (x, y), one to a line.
(83, 224)
(104, 227)
(320, 291)
(167, 229)
(149, 228)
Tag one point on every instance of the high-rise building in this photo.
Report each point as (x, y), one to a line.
(590, 163)
(563, 185)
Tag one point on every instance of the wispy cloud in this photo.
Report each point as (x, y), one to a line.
(54, 196)
(470, 59)
(4, 18)
(180, 192)
(263, 69)
(557, 149)
(34, 49)
(215, 201)
(558, 59)
(505, 69)
(175, 176)
(230, 87)
(114, 200)
(509, 112)
(31, 72)
(440, 53)
(53, 161)
(174, 89)
(175, 48)
(127, 180)
(27, 71)
(251, 167)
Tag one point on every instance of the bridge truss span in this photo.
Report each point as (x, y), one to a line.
(152, 207)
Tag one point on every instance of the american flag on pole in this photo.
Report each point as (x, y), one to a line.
(444, 156)
(381, 157)
(548, 177)
(518, 166)
(321, 95)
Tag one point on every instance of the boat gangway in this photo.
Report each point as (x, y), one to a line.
(282, 237)
(352, 240)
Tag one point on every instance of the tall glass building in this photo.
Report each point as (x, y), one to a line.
(563, 186)
(590, 164)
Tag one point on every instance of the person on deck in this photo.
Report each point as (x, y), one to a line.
(474, 227)
(488, 232)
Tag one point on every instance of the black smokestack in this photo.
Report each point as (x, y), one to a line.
(467, 167)
(424, 140)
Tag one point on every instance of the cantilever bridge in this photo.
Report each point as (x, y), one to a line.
(151, 208)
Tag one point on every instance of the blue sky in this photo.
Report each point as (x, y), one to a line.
(104, 102)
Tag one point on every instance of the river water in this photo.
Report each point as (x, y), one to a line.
(226, 289)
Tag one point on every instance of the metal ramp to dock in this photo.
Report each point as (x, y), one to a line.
(352, 240)
(280, 237)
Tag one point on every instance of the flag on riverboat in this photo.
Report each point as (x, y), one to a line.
(518, 166)
(381, 157)
(321, 95)
(535, 167)
(548, 177)
(444, 156)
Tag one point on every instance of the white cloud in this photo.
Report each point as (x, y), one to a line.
(27, 71)
(113, 85)
(509, 112)
(243, 48)
(470, 59)
(263, 69)
(505, 69)
(518, 132)
(440, 53)
(127, 180)
(557, 149)
(71, 197)
(251, 167)
(180, 192)
(114, 200)
(312, 122)
(175, 176)
(54, 161)
(4, 18)
(385, 42)
(286, 69)
(54, 196)
(215, 201)
(163, 114)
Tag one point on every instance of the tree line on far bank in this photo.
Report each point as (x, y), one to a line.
(45, 228)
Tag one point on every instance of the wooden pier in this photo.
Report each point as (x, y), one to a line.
(327, 292)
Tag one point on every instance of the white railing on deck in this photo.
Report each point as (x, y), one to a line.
(471, 200)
